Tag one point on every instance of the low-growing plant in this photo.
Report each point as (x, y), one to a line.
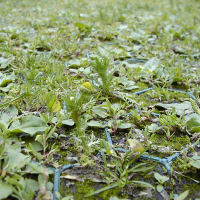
(161, 179)
(13, 166)
(124, 168)
(101, 67)
(43, 140)
(49, 99)
(114, 111)
(76, 104)
(171, 122)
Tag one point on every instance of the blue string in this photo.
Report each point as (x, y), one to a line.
(56, 182)
(108, 137)
(143, 91)
(136, 60)
(88, 55)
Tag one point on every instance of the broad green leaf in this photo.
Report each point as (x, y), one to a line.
(38, 169)
(32, 185)
(40, 139)
(7, 114)
(103, 52)
(49, 186)
(7, 88)
(116, 198)
(183, 195)
(102, 112)
(194, 124)
(4, 63)
(161, 179)
(13, 111)
(195, 163)
(143, 184)
(159, 188)
(30, 124)
(136, 37)
(57, 194)
(14, 181)
(37, 146)
(195, 157)
(41, 179)
(179, 50)
(131, 87)
(153, 127)
(95, 124)
(16, 159)
(52, 101)
(124, 80)
(5, 79)
(5, 190)
(74, 63)
(192, 115)
(5, 119)
(80, 25)
(125, 125)
(31, 149)
(68, 198)
(110, 122)
(56, 106)
(69, 122)
(151, 64)
(181, 108)
(135, 145)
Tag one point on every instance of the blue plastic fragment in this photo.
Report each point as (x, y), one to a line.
(156, 159)
(136, 60)
(192, 96)
(57, 179)
(189, 93)
(155, 114)
(64, 106)
(143, 91)
(173, 157)
(120, 149)
(69, 166)
(108, 137)
(66, 65)
(94, 82)
(137, 108)
(56, 183)
(175, 196)
(166, 165)
(88, 55)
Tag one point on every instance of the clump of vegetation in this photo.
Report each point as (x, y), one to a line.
(76, 104)
(101, 67)
(121, 175)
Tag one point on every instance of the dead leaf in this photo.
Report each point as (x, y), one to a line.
(70, 177)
